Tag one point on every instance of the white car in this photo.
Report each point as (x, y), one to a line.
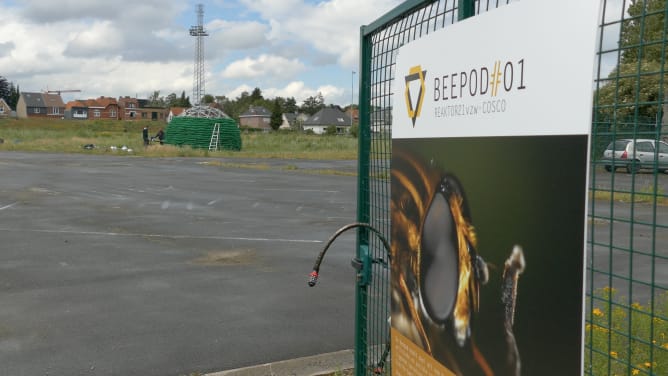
(636, 154)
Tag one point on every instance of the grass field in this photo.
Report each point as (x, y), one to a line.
(70, 136)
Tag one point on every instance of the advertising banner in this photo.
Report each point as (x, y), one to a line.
(491, 120)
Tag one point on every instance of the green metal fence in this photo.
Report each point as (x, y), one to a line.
(627, 280)
(626, 331)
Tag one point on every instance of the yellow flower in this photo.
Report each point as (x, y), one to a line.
(635, 372)
(597, 312)
(665, 346)
(600, 328)
(636, 305)
(648, 364)
(613, 354)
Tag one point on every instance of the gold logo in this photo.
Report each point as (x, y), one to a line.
(414, 74)
(496, 78)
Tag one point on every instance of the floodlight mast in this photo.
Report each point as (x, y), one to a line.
(198, 73)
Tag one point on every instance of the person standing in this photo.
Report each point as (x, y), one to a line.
(144, 134)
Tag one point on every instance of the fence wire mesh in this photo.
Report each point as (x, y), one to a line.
(626, 331)
(627, 278)
(380, 43)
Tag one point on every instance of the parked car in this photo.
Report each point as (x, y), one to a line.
(636, 154)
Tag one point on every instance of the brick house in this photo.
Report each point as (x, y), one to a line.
(256, 117)
(131, 109)
(128, 108)
(103, 108)
(100, 108)
(174, 111)
(77, 110)
(148, 112)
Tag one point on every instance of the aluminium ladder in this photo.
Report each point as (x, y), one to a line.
(215, 135)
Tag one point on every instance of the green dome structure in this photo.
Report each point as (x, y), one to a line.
(196, 132)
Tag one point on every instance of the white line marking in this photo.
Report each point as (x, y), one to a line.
(100, 233)
(8, 206)
(214, 201)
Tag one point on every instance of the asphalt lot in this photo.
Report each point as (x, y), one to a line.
(143, 266)
(619, 227)
(135, 266)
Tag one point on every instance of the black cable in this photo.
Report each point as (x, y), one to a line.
(313, 277)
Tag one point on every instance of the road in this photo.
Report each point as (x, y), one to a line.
(135, 266)
(623, 181)
(629, 240)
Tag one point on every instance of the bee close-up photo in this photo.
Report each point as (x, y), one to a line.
(463, 240)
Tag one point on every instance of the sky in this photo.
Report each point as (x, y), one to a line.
(287, 48)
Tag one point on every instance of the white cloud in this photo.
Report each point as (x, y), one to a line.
(299, 91)
(128, 12)
(6, 48)
(227, 35)
(275, 9)
(331, 26)
(126, 47)
(78, 28)
(236, 92)
(100, 39)
(264, 65)
(332, 94)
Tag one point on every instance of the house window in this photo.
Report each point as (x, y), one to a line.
(2, 110)
(112, 113)
(55, 110)
(133, 114)
(96, 113)
(36, 110)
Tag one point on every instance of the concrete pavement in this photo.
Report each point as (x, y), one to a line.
(306, 366)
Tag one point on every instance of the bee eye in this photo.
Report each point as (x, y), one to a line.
(439, 263)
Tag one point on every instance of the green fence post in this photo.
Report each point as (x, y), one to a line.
(466, 9)
(363, 197)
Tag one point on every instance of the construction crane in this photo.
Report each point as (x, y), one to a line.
(62, 91)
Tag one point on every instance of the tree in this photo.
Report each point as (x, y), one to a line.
(256, 95)
(651, 27)
(171, 100)
(208, 99)
(9, 93)
(313, 104)
(14, 94)
(276, 115)
(633, 88)
(4, 89)
(290, 106)
(155, 100)
(184, 101)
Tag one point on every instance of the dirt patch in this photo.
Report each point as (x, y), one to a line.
(223, 258)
